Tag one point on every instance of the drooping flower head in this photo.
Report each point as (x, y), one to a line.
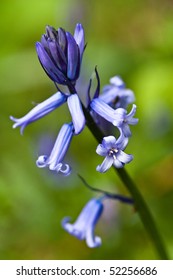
(112, 149)
(60, 54)
(85, 224)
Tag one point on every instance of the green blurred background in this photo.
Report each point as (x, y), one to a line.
(131, 38)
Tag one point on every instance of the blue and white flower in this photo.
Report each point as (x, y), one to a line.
(117, 117)
(85, 224)
(106, 112)
(112, 149)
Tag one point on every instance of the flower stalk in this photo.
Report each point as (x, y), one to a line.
(60, 54)
(139, 202)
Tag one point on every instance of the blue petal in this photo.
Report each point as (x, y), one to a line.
(103, 109)
(73, 65)
(70, 228)
(127, 96)
(61, 146)
(113, 90)
(51, 32)
(41, 161)
(76, 112)
(132, 112)
(126, 130)
(109, 94)
(58, 56)
(62, 40)
(54, 161)
(117, 81)
(123, 157)
(64, 169)
(91, 240)
(79, 38)
(49, 66)
(101, 150)
(106, 164)
(109, 142)
(130, 118)
(118, 164)
(122, 141)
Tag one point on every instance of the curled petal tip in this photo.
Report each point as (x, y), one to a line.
(41, 161)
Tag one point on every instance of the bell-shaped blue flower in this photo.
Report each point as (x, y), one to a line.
(40, 110)
(117, 117)
(85, 224)
(106, 112)
(55, 160)
(60, 54)
(112, 149)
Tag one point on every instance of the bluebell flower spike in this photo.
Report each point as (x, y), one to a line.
(40, 110)
(55, 160)
(85, 224)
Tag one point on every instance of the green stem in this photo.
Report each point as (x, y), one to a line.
(144, 213)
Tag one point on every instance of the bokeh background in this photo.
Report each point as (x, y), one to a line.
(130, 38)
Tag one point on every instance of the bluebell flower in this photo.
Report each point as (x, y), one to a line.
(118, 117)
(116, 95)
(106, 112)
(55, 160)
(50, 104)
(112, 149)
(40, 110)
(85, 224)
(60, 54)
